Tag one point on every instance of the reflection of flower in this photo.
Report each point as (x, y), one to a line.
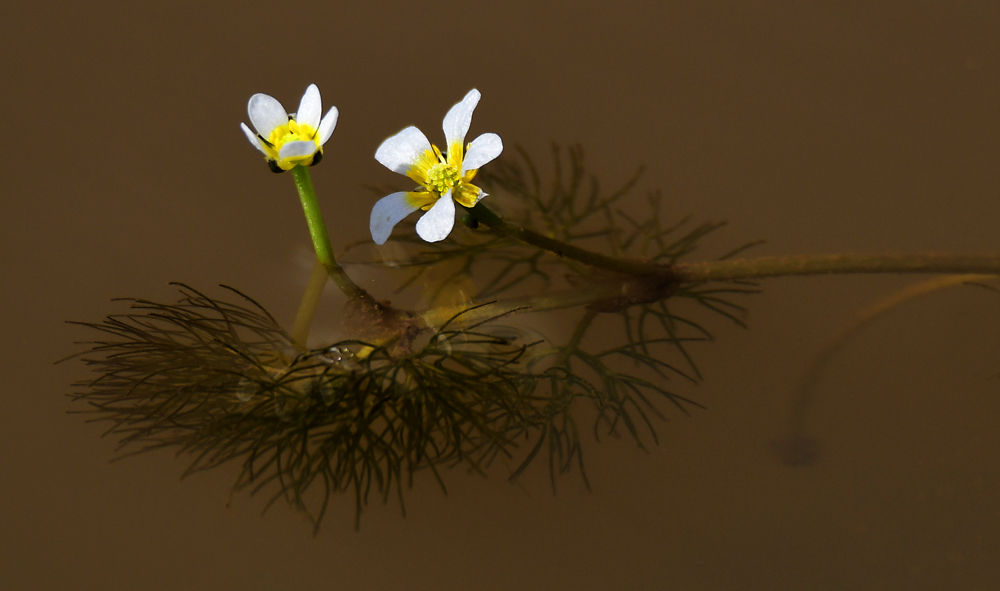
(444, 178)
(290, 139)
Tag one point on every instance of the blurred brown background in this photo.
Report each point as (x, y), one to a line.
(819, 126)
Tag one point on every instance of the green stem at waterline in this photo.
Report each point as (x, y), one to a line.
(320, 238)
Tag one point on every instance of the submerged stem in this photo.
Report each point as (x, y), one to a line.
(320, 238)
(862, 319)
(307, 309)
(797, 447)
(836, 263)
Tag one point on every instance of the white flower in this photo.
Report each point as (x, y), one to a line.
(443, 178)
(290, 139)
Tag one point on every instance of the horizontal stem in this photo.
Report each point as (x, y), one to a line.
(631, 266)
(749, 268)
(837, 263)
(691, 273)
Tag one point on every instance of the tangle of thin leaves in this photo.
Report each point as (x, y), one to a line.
(222, 382)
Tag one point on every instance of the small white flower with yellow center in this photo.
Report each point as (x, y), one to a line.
(290, 139)
(443, 178)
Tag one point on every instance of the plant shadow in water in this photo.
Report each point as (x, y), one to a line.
(223, 382)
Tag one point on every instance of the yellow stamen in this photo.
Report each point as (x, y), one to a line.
(439, 174)
(293, 131)
(442, 178)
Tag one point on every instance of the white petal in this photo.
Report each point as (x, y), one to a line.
(459, 118)
(483, 149)
(253, 138)
(299, 149)
(436, 224)
(328, 124)
(389, 211)
(400, 151)
(310, 107)
(266, 113)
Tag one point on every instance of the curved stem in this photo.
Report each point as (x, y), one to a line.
(862, 319)
(320, 238)
(797, 447)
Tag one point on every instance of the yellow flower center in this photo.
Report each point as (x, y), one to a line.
(293, 131)
(442, 177)
(439, 174)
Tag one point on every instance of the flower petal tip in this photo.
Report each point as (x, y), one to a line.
(437, 223)
(400, 151)
(389, 211)
(328, 124)
(310, 107)
(482, 150)
(459, 118)
(252, 137)
(266, 113)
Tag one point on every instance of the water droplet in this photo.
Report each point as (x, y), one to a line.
(332, 355)
(246, 389)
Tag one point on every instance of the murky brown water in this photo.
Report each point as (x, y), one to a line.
(820, 128)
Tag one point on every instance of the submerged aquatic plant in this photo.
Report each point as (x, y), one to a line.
(459, 383)
(223, 381)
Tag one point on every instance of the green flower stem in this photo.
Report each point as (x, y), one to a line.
(307, 309)
(837, 263)
(631, 266)
(321, 240)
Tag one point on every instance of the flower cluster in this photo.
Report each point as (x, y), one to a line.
(444, 177)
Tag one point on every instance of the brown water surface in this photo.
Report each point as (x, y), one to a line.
(820, 127)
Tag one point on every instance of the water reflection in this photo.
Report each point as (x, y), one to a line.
(820, 127)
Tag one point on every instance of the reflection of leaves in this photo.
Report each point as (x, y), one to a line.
(182, 376)
(575, 209)
(223, 382)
